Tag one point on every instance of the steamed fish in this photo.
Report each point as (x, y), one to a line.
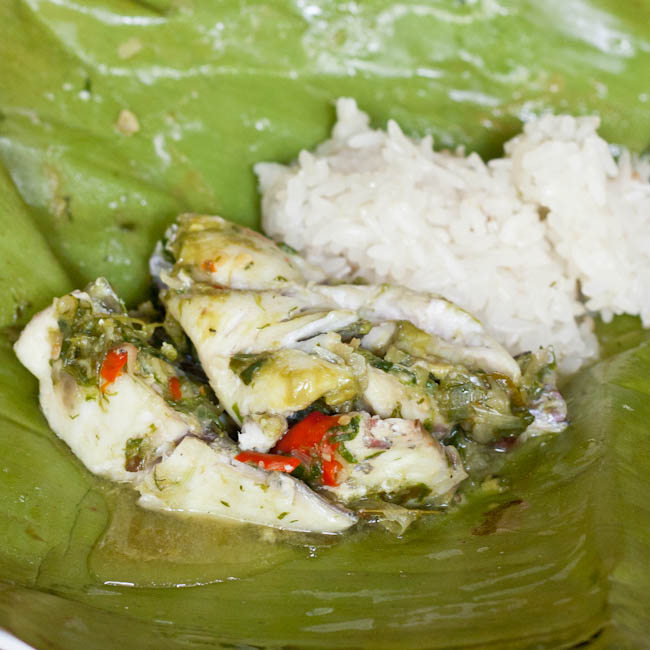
(386, 349)
(310, 399)
(208, 249)
(130, 413)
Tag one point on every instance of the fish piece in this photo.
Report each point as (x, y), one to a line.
(245, 343)
(130, 415)
(211, 250)
(260, 432)
(356, 455)
(386, 389)
(98, 426)
(386, 396)
(542, 398)
(202, 479)
(395, 457)
(249, 321)
(455, 334)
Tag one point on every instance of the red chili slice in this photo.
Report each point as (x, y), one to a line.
(175, 388)
(271, 462)
(309, 436)
(308, 433)
(331, 471)
(112, 366)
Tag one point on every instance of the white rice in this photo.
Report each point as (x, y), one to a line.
(531, 243)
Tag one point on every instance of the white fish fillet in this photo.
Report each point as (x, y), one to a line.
(203, 476)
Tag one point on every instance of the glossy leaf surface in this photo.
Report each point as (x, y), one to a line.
(559, 558)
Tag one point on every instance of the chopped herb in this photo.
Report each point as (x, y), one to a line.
(249, 266)
(346, 432)
(457, 439)
(235, 409)
(300, 473)
(169, 351)
(377, 453)
(381, 364)
(247, 366)
(134, 455)
(282, 515)
(281, 278)
(316, 471)
(404, 375)
(431, 385)
(354, 330)
(345, 452)
(225, 503)
(248, 374)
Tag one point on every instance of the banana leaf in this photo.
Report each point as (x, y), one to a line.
(557, 558)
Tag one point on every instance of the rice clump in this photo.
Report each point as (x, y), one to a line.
(532, 243)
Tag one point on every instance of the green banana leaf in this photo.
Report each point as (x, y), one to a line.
(558, 558)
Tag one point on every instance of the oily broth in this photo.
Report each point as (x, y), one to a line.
(145, 548)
